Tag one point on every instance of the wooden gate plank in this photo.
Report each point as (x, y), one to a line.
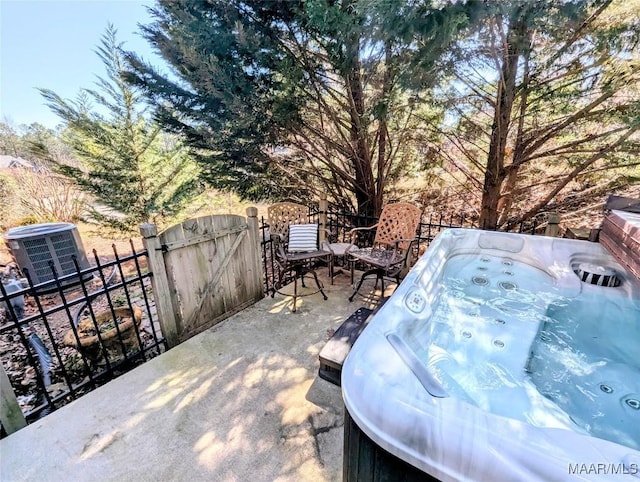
(204, 261)
(232, 283)
(201, 238)
(213, 269)
(186, 266)
(214, 283)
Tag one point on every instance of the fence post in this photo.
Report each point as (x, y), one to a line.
(255, 235)
(160, 284)
(11, 414)
(324, 207)
(553, 225)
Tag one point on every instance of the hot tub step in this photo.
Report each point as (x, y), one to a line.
(337, 348)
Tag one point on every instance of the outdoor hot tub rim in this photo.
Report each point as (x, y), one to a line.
(363, 404)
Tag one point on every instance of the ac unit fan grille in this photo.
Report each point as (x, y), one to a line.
(65, 248)
(41, 256)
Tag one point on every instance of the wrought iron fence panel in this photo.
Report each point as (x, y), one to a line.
(72, 338)
(339, 223)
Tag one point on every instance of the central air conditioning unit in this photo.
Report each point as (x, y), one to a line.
(38, 247)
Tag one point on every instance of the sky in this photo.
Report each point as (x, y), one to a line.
(51, 44)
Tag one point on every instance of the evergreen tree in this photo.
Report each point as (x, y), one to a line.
(546, 97)
(138, 173)
(284, 98)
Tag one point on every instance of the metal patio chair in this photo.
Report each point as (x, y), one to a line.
(297, 247)
(388, 255)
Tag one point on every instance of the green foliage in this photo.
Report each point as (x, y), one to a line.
(284, 98)
(547, 96)
(10, 142)
(226, 120)
(135, 173)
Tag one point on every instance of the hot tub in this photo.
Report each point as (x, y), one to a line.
(502, 357)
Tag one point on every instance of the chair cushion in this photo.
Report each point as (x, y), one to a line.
(303, 238)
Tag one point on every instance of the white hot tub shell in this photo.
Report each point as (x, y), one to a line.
(410, 411)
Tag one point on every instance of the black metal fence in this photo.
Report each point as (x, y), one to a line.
(339, 223)
(63, 338)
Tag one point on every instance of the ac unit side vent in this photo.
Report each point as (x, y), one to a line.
(40, 256)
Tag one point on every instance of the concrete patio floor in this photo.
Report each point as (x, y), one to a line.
(241, 401)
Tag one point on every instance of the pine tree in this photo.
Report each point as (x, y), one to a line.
(134, 170)
(285, 98)
(546, 100)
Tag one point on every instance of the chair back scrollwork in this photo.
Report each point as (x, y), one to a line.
(282, 214)
(301, 259)
(397, 221)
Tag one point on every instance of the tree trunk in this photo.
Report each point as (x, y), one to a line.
(383, 132)
(364, 188)
(494, 172)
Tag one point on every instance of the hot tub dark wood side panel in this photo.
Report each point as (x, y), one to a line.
(364, 461)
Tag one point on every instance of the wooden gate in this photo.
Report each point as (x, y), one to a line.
(212, 269)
